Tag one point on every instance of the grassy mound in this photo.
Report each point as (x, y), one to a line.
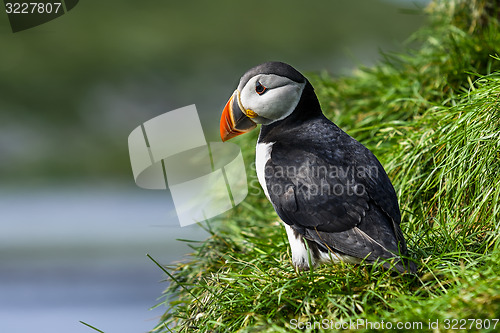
(432, 116)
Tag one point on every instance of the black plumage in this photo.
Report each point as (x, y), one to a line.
(330, 188)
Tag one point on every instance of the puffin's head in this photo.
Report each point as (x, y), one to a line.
(266, 93)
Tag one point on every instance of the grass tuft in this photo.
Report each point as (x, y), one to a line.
(432, 116)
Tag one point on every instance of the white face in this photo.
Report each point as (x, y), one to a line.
(268, 97)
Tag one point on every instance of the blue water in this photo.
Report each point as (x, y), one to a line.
(78, 253)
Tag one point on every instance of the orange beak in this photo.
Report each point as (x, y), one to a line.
(234, 121)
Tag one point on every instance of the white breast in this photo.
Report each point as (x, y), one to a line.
(262, 155)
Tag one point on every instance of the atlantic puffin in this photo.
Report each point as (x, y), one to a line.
(333, 195)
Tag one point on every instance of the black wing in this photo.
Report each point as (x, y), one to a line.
(337, 194)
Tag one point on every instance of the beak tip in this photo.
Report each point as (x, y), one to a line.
(226, 122)
(229, 128)
(226, 135)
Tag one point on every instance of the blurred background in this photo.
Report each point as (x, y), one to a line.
(74, 228)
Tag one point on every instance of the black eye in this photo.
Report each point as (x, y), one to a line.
(259, 88)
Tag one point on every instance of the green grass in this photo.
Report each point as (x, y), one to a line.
(432, 116)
